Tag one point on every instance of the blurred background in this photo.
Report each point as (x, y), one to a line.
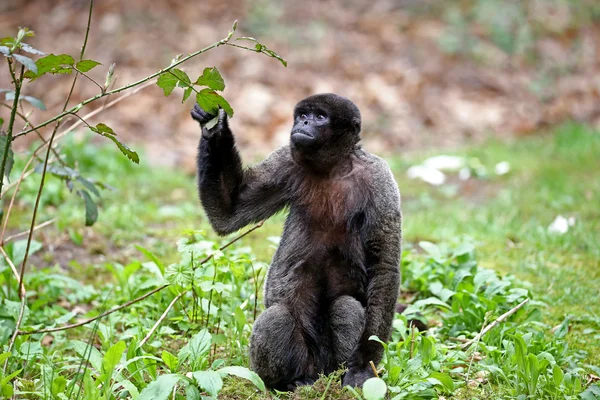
(424, 73)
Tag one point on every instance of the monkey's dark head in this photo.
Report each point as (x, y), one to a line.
(326, 129)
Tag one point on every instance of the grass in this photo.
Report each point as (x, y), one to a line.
(506, 216)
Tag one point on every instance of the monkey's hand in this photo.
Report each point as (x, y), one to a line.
(357, 376)
(209, 123)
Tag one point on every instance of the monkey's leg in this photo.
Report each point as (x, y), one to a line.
(347, 322)
(278, 353)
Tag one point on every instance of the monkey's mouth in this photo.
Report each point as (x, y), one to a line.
(302, 134)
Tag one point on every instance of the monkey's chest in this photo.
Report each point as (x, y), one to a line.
(327, 207)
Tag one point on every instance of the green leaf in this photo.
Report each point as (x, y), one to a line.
(430, 301)
(169, 79)
(86, 65)
(444, 379)
(91, 209)
(186, 94)
(5, 356)
(374, 389)
(31, 50)
(240, 318)
(210, 381)
(562, 330)
(212, 78)
(210, 101)
(10, 160)
(106, 131)
(27, 62)
(212, 123)
(245, 373)
(171, 361)
(112, 357)
(37, 103)
(431, 249)
(88, 185)
(89, 353)
(152, 258)
(103, 128)
(591, 393)
(58, 170)
(197, 348)
(52, 63)
(161, 388)
(9, 377)
(192, 392)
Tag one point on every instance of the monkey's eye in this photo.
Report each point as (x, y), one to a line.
(320, 117)
(303, 116)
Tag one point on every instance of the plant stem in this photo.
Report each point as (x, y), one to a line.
(87, 321)
(162, 317)
(138, 299)
(11, 121)
(498, 320)
(87, 33)
(76, 108)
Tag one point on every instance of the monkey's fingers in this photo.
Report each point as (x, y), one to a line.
(200, 115)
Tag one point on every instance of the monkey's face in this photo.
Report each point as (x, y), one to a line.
(326, 123)
(312, 128)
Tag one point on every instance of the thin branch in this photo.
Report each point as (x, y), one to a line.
(24, 233)
(162, 317)
(24, 174)
(491, 326)
(28, 123)
(122, 88)
(138, 299)
(374, 369)
(85, 40)
(476, 343)
(11, 122)
(90, 79)
(58, 136)
(40, 190)
(87, 321)
(22, 292)
(412, 341)
(255, 227)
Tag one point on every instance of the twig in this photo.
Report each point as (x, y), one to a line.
(35, 228)
(255, 227)
(485, 319)
(27, 122)
(374, 369)
(87, 321)
(162, 317)
(412, 341)
(122, 88)
(136, 300)
(90, 79)
(22, 291)
(26, 173)
(9, 134)
(498, 320)
(41, 187)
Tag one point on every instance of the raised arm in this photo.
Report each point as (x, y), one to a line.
(382, 247)
(231, 196)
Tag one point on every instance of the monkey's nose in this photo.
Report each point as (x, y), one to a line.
(305, 122)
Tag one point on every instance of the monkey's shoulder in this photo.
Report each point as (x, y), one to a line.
(380, 178)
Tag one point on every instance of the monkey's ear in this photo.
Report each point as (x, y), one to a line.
(356, 124)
